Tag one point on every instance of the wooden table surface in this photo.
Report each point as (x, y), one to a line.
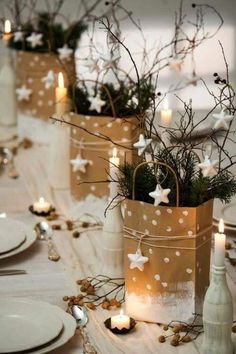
(80, 257)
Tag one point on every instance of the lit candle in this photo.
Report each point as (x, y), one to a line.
(219, 256)
(61, 96)
(7, 31)
(120, 321)
(41, 206)
(114, 170)
(166, 115)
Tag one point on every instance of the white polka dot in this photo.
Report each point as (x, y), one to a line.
(36, 58)
(168, 228)
(41, 93)
(82, 124)
(32, 64)
(90, 162)
(190, 233)
(164, 285)
(181, 221)
(30, 80)
(129, 213)
(125, 128)
(134, 279)
(118, 120)
(87, 117)
(177, 253)
(43, 63)
(144, 217)
(158, 212)
(141, 202)
(109, 125)
(95, 125)
(157, 277)
(146, 232)
(166, 260)
(198, 227)
(189, 270)
(148, 286)
(169, 211)
(185, 212)
(124, 140)
(40, 103)
(50, 103)
(154, 222)
(92, 188)
(150, 251)
(74, 131)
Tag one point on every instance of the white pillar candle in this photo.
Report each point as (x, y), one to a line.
(61, 96)
(7, 31)
(120, 321)
(114, 170)
(219, 256)
(166, 115)
(41, 206)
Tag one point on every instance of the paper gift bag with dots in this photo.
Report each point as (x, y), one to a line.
(167, 260)
(36, 79)
(92, 151)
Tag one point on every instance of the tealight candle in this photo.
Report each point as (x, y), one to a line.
(120, 321)
(61, 96)
(41, 206)
(166, 115)
(219, 256)
(7, 31)
(114, 170)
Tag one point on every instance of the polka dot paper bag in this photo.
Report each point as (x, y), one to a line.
(32, 71)
(92, 179)
(174, 246)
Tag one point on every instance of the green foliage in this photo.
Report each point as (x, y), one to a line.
(54, 35)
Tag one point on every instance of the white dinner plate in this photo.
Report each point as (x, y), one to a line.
(225, 211)
(12, 234)
(27, 324)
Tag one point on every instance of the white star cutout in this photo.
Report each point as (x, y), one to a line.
(160, 195)
(137, 260)
(222, 120)
(208, 167)
(18, 36)
(91, 65)
(96, 103)
(79, 164)
(49, 79)
(108, 61)
(133, 101)
(23, 93)
(35, 39)
(142, 144)
(65, 52)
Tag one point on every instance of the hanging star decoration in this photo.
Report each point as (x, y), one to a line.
(160, 195)
(49, 79)
(18, 36)
(65, 52)
(79, 164)
(23, 93)
(208, 167)
(176, 65)
(91, 64)
(35, 39)
(142, 144)
(109, 60)
(96, 103)
(222, 120)
(137, 260)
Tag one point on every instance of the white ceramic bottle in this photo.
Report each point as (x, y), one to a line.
(218, 315)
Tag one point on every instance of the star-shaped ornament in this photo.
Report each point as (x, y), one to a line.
(65, 52)
(49, 79)
(109, 61)
(133, 101)
(208, 167)
(160, 195)
(35, 39)
(137, 260)
(142, 144)
(96, 103)
(23, 93)
(18, 36)
(222, 120)
(91, 64)
(79, 164)
(176, 65)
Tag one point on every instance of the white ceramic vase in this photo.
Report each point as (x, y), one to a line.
(218, 315)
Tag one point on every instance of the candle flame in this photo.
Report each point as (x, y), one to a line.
(165, 104)
(7, 26)
(60, 80)
(41, 200)
(221, 226)
(114, 152)
(121, 312)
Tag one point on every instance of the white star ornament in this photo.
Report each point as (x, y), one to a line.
(222, 120)
(65, 52)
(49, 79)
(23, 93)
(79, 164)
(96, 103)
(91, 65)
(18, 36)
(142, 144)
(35, 39)
(208, 167)
(137, 260)
(160, 195)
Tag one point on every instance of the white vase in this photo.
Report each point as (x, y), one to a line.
(7, 93)
(113, 243)
(218, 315)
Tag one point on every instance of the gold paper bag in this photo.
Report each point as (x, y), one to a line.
(97, 151)
(31, 68)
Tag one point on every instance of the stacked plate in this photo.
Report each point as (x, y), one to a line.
(15, 237)
(228, 213)
(33, 326)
